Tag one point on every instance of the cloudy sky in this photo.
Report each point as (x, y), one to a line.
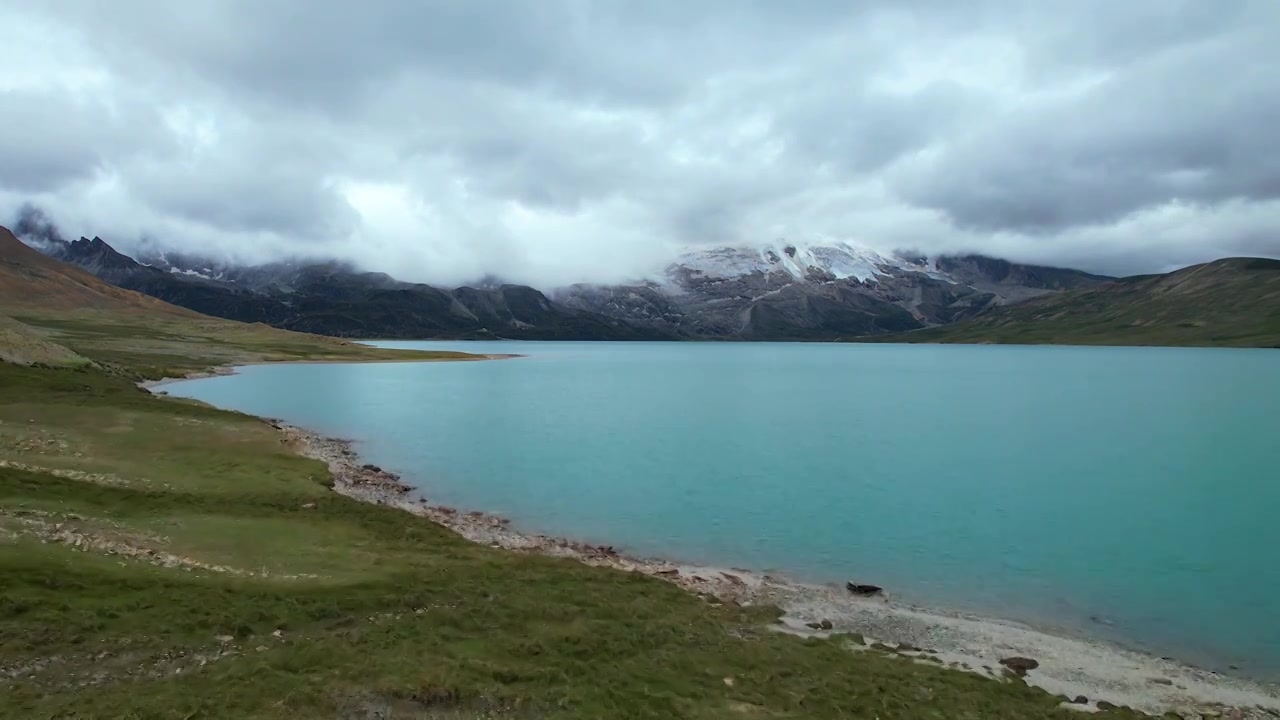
(550, 141)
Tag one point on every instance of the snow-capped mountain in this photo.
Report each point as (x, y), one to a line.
(836, 260)
(821, 290)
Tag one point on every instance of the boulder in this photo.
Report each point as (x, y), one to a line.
(1020, 665)
(863, 590)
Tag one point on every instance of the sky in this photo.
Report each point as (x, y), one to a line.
(560, 141)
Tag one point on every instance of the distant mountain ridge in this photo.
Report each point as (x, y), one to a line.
(335, 299)
(819, 291)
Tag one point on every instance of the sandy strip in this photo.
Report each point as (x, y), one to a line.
(235, 369)
(1068, 666)
(215, 372)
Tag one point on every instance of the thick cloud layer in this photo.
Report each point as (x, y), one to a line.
(566, 140)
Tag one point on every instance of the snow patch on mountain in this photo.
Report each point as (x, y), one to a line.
(192, 273)
(836, 259)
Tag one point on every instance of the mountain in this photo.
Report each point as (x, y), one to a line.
(823, 291)
(31, 280)
(333, 298)
(820, 291)
(1229, 302)
(282, 276)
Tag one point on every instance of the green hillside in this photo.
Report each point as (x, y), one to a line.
(1233, 302)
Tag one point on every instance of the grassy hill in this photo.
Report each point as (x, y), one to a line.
(161, 558)
(1232, 303)
(52, 312)
(22, 345)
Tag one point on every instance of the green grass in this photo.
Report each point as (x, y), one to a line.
(161, 346)
(374, 609)
(1227, 303)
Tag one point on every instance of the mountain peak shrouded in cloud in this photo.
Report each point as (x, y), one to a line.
(33, 226)
(565, 141)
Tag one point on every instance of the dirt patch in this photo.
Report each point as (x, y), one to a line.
(67, 529)
(79, 475)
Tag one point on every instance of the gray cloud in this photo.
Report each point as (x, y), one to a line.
(49, 139)
(580, 140)
(1191, 125)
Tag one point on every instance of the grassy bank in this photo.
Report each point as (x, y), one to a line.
(156, 347)
(164, 559)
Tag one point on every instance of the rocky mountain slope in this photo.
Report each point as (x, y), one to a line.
(29, 279)
(822, 291)
(331, 298)
(1230, 302)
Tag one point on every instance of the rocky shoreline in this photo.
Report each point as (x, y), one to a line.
(1089, 675)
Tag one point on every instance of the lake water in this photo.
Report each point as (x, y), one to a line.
(1127, 493)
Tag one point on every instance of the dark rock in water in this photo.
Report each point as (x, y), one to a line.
(371, 468)
(863, 590)
(814, 625)
(826, 625)
(1020, 665)
(1104, 705)
(1080, 700)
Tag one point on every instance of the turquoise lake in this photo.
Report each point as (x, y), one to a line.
(1130, 494)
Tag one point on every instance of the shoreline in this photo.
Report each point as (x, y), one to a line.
(1072, 667)
(1068, 666)
(222, 370)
